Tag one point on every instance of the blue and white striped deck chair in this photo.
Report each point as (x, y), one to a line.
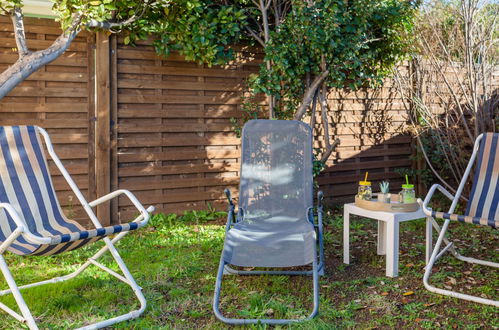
(33, 224)
(482, 208)
(275, 224)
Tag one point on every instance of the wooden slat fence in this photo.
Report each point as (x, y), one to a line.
(60, 98)
(162, 126)
(175, 145)
(371, 126)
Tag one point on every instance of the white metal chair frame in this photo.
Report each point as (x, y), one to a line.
(437, 253)
(22, 230)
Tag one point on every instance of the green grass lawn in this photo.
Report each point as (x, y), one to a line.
(175, 260)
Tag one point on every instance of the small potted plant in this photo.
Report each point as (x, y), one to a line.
(384, 195)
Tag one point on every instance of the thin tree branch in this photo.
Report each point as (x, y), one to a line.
(314, 107)
(432, 168)
(31, 62)
(307, 97)
(18, 22)
(256, 36)
(451, 90)
(108, 25)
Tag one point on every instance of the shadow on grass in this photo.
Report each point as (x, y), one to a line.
(176, 261)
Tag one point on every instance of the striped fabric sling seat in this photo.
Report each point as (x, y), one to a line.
(32, 222)
(25, 184)
(482, 208)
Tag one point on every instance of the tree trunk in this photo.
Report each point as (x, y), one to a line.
(31, 62)
(309, 95)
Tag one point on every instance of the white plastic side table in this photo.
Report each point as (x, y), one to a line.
(388, 233)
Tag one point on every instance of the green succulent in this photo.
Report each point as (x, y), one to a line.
(384, 187)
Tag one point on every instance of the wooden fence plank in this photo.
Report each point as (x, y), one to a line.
(102, 125)
(57, 97)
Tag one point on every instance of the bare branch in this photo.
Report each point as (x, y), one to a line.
(265, 21)
(31, 62)
(18, 22)
(267, 4)
(324, 112)
(256, 36)
(451, 91)
(108, 25)
(307, 97)
(314, 107)
(4, 11)
(428, 161)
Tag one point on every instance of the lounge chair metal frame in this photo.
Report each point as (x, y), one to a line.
(317, 267)
(22, 230)
(437, 252)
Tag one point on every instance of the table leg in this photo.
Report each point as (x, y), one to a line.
(346, 236)
(392, 248)
(381, 238)
(429, 239)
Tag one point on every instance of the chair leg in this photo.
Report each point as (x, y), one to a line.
(218, 288)
(457, 254)
(127, 278)
(27, 317)
(436, 254)
(130, 281)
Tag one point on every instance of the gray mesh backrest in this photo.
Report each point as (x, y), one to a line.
(276, 169)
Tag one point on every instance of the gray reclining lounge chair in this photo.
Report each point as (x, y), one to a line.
(274, 226)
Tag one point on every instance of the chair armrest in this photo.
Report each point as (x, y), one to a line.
(98, 232)
(231, 210)
(22, 228)
(320, 198)
(424, 204)
(144, 213)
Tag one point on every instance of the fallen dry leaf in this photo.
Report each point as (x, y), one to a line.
(408, 293)
(384, 293)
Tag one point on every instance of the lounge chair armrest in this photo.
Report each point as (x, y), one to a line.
(230, 212)
(320, 212)
(22, 228)
(431, 192)
(98, 232)
(320, 197)
(229, 197)
(144, 213)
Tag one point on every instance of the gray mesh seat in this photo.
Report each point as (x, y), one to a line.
(275, 225)
(283, 242)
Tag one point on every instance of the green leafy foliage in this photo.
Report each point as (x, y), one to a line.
(201, 30)
(8, 5)
(358, 41)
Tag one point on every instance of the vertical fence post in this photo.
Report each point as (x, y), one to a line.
(113, 73)
(102, 124)
(92, 189)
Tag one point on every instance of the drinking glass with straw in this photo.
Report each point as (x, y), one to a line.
(408, 194)
(365, 191)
